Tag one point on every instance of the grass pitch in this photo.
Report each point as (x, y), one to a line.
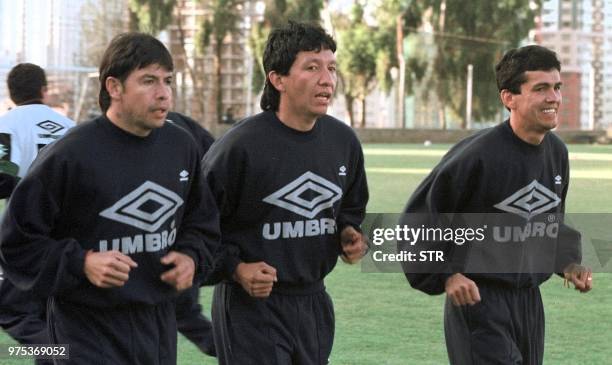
(380, 320)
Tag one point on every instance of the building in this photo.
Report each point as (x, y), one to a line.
(195, 67)
(581, 34)
(47, 33)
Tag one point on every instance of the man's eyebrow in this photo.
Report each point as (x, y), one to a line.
(318, 60)
(148, 76)
(547, 84)
(153, 76)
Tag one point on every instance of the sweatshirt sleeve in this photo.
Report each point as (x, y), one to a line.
(569, 243)
(441, 194)
(7, 184)
(198, 236)
(8, 168)
(217, 164)
(354, 201)
(32, 256)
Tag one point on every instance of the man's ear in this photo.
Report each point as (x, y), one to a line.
(508, 99)
(114, 87)
(277, 81)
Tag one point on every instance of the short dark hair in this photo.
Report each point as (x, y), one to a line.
(510, 71)
(25, 82)
(282, 47)
(128, 52)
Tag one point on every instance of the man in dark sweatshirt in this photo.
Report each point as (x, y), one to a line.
(291, 188)
(518, 168)
(113, 219)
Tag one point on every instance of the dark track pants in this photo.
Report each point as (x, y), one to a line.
(23, 317)
(136, 335)
(505, 328)
(292, 326)
(192, 323)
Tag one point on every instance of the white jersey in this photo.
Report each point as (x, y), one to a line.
(26, 129)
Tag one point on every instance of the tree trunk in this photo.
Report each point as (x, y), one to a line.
(442, 116)
(349, 108)
(132, 21)
(199, 113)
(363, 112)
(401, 109)
(219, 81)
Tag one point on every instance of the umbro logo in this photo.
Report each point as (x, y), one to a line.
(530, 201)
(3, 151)
(342, 170)
(558, 180)
(50, 126)
(147, 207)
(184, 175)
(307, 195)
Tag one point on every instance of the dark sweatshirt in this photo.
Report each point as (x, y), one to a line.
(482, 174)
(284, 195)
(101, 188)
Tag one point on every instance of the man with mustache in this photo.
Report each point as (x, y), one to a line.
(113, 220)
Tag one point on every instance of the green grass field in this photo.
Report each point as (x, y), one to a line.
(381, 320)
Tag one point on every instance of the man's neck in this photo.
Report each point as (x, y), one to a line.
(295, 121)
(119, 119)
(531, 136)
(30, 102)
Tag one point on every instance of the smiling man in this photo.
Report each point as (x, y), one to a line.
(113, 220)
(490, 317)
(291, 189)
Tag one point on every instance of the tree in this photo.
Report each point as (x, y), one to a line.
(358, 51)
(151, 16)
(477, 34)
(224, 21)
(390, 18)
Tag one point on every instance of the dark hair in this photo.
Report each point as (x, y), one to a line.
(128, 52)
(25, 82)
(282, 47)
(510, 71)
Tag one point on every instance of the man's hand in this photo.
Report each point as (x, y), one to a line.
(181, 275)
(256, 278)
(108, 269)
(580, 276)
(462, 290)
(353, 245)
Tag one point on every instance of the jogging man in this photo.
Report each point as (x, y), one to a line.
(498, 318)
(291, 189)
(113, 219)
(24, 130)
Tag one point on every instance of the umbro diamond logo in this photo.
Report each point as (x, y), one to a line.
(342, 171)
(147, 207)
(530, 200)
(3, 151)
(558, 180)
(184, 175)
(307, 195)
(50, 126)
